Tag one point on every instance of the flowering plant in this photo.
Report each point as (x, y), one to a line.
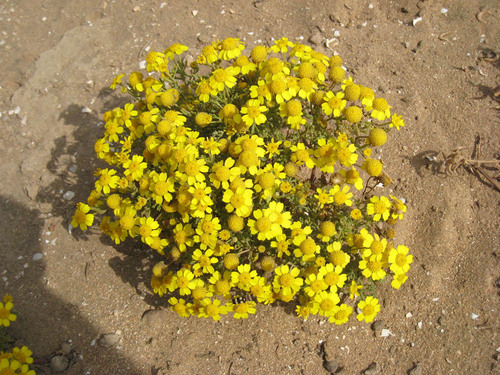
(16, 360)
(252, 177)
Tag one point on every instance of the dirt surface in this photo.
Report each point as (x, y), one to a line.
(59, 57)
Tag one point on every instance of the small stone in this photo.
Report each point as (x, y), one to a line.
(59, 363)
(86, 110)
(415, 370)
(37, 256)
(331, 366)
(109, 339)
(316, 39)
(416, 20)
(194, 12)
(69, 195)
(66, 347)
(377, 327)
(372, 369)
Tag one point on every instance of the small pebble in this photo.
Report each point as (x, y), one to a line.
(66, 347)
(316, 39)
(331, 366)
(69, 195)
(386, 333)
(444, 10)
(415, 370)
(194, 12)
(474, 316)
(86, 110)
(59, 363)
(416, 20)
(37, 256)
(372, 369)
(109, 339)
(377, 327)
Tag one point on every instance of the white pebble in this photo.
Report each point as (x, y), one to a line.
(419, 325)
(142, 64)
(92, 343)
(69, 195)
(444, 10)
(370, 6)
(194, 12)
(336, 33)
(86, 110)
(386, 333)
(17, 110)
(474, 316)
(409, 315)
(435, 299)
(37, 256)
(162, 5)
(416, 20)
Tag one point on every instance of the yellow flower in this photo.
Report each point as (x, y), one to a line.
(379, 208)
(398, 280)
(333, 103)
(380, 109)
(301, 155)
(81, 217)
(23, 356)
(354, 290)
(333, 276)
(222, 78)
(281, 244)
(400, 260)
(239, 201)
(162, 186)
(223, 173)
(253, 113)
(373, 267)
(116, 81)
(6, 316)
(263, 225)
(180, 306)
(286, 280)
(148, 229)
(212, 309)
(396, 121)
(230, 48)
(340, 314)
(107, 181)
(324, 303)
(369, 309)
(242, 278)
(315, 284)
(241, 310)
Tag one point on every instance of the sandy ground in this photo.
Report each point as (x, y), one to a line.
(59, 57)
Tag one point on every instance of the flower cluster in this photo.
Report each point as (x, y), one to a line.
(17, 360)
(253, 177)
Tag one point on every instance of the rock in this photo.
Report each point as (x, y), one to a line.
(69, 195)
(59, 363)
(316, 39)
(109, 339)
(331, 366)
(37, 256)
(377, 327)
(66, 347)
(415, 370)
(372, 369)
